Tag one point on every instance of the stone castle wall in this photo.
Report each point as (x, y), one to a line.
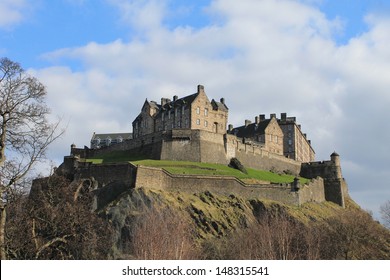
(204, 146)
(157, 178)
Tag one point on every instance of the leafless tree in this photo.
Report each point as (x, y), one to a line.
(385, 212)
(25, 131)
(163, 234)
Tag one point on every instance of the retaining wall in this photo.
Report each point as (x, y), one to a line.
(157, 178)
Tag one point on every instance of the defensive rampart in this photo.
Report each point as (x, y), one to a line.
(157, 178)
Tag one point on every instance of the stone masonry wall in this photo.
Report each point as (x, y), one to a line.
(156, 178)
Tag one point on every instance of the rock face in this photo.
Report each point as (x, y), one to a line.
(212, 216)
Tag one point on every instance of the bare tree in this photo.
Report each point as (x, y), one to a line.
(163, 234)
(54, 223)
(25, 132)
(385, 212)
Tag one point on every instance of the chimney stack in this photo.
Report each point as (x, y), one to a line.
(230, 127)
(257, 120)
(262, 117)
(175, 97)
(247, 122)
(273, 116)
(200, 88)
(283, 116)
(223, 100)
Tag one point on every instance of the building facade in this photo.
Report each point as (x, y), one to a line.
(296, 144)
(105, 140)
(195, 111)
(265, 132)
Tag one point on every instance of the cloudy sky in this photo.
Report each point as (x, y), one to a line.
(326, 62)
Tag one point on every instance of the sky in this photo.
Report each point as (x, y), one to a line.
(325, 62)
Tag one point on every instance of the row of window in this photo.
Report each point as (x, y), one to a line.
(206, 111)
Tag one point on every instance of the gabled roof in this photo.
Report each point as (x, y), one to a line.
(187, 100)
(251, 129)
(219, 106)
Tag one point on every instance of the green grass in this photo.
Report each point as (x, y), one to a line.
(115, 156)
(199, 168)
(196, 168)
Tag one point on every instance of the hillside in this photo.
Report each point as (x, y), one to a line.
(56, 222)
(149, 222)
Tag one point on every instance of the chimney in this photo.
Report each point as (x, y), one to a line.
(262, 117)
(257, 120)
(175, 97)
(223, 100)
(283, 116)
(230, 127)
(200, 89)
(247, 122)
(165, 101)
(273, 116)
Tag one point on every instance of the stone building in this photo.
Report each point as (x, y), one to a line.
(104, 140)
(194, 111)
(281, 136)
(296, 145)
(266, 132)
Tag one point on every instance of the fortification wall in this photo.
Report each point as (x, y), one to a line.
(181, 145)
(324, 169)
(254, 156)
(107, 173)
(314, 191)
(157, 178)
(336, 190)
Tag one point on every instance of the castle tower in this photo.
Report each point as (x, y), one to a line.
(335, 159)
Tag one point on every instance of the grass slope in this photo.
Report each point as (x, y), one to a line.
(197, 168)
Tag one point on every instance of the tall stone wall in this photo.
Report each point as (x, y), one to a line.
(313, 191)
(182, 145)
(107, 173)
(156, 178)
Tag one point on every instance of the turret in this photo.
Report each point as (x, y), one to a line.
(335, 159)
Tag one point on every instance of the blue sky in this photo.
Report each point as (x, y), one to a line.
(326, 62)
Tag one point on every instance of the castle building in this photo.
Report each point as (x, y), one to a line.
(105, 140)
(280, 136)
(195, 111)
(296, 145)
(266, 132)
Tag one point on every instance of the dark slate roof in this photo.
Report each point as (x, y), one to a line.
(251, 129)
(219, 106)
(180, 101)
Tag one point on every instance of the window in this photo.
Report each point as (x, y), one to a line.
(186, 123)
(179, 124)
(169, 114)
(198, 121)
(162, 116)
(205, 123)
(276, 139)
(182, 110)
(206, 112)
(198, 110)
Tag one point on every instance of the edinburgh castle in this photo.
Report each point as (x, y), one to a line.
(195, 129)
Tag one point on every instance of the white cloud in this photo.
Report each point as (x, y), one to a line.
(262, 56)
(12, 12)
